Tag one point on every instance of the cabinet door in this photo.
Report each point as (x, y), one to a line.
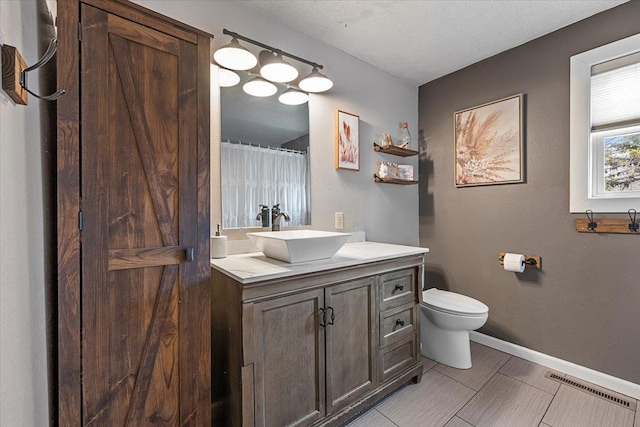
(289, 360)
(350, 341)
(145, 311)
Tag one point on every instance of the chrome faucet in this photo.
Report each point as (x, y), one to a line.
(263, 216)
(275, 217)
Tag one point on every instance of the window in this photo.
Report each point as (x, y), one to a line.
(605, 128)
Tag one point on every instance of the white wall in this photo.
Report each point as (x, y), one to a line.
(23, 378)
(387, 213)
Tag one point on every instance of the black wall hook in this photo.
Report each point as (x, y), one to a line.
(592, 224)
(634, 226)
(24, 81)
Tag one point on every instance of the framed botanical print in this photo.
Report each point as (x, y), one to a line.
(347, 141)
(489, 143)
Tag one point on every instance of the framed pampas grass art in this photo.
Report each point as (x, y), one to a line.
(489, 143)
(347, 141)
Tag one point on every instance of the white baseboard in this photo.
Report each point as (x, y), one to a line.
(603, 380)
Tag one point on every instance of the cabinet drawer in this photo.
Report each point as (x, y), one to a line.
(398, 288)
(397, 323)
(397, 357)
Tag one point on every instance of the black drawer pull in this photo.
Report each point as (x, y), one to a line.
(399, 322)
(399, 287)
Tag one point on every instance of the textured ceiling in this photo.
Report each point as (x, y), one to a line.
(419, 41)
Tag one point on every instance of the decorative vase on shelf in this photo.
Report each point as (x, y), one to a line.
(405, 137)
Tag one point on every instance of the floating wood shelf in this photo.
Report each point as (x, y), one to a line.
(376, 178)
(396, 151)
(536, 266)
(607, 225)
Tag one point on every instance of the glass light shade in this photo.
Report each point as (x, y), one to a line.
(315, 82)
(227, 78)
(293, 97)
(259, 87)
(235, 56)
(276, 69)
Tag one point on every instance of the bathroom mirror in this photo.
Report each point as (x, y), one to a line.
(264, 157)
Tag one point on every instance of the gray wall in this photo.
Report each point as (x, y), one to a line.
(24, 222)
(387, 213)
(584, 305)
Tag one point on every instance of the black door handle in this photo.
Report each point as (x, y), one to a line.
(333, 316)
(323, 318)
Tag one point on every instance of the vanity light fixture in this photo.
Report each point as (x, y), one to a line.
(315, 82)
(235, 57)
(227, 78)
(276, 69)
(259, 87)
(293, 97)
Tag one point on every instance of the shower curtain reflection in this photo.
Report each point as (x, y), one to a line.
(252, 176)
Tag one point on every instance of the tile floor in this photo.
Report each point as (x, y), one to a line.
(500, 390)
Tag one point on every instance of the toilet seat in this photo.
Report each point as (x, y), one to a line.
(452, 303)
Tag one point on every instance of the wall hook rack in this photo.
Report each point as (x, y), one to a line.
(15, 79)
(592, 224)
(609, 225)
(634, 225)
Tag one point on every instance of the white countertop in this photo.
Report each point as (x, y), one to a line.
(254, 267)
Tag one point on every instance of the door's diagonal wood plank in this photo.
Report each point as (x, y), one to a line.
(143, 138)
(145, 372)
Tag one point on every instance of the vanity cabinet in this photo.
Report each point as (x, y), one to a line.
(311, 345)
(313, 349)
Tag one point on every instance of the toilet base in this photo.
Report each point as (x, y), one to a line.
(448, 347)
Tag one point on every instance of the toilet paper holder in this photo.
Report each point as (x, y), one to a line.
(530, 261)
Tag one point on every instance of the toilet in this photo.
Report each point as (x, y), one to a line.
(445, 321)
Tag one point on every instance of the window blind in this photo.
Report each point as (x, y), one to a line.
(615, 97)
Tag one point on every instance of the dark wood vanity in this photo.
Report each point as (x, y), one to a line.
(314, 347)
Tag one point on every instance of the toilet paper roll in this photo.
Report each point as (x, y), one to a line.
(514, 262)
(218, 246)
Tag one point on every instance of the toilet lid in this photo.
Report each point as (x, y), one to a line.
(453, 303)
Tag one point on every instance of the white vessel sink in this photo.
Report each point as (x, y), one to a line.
(299, 245)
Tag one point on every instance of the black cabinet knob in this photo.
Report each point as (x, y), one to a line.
(399, 322)
(399, 287)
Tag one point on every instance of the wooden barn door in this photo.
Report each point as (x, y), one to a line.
(145, 344)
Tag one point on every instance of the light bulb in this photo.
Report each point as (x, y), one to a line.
(276, 69)
(293, 97)
(315, 82)
(235, 57)
(259, 87)
(227, 78)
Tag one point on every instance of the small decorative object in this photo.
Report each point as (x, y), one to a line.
(347, 141)
(388, 139)
(405, 172)
(488, 143)
(388, 170)
(395, 171)
(405, 136)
